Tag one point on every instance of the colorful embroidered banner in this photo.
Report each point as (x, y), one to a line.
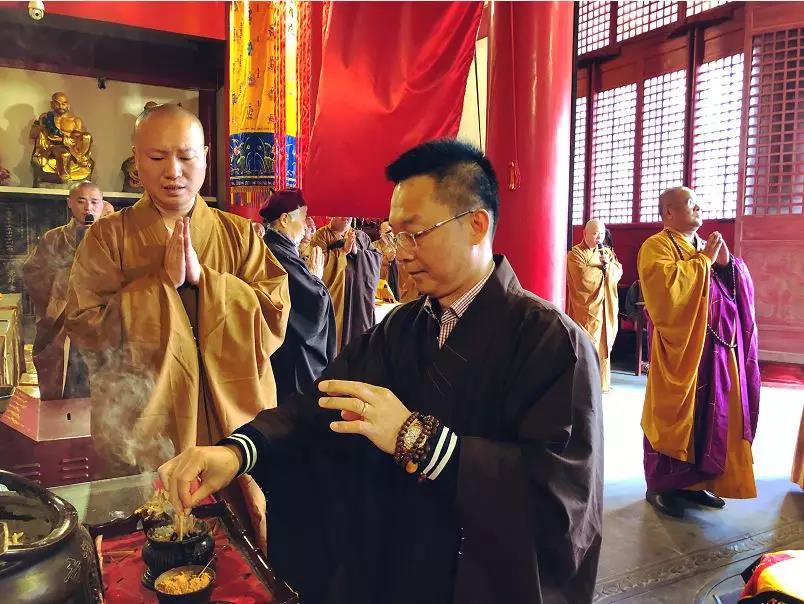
(255, 122)
(270, 113)
(287, 173)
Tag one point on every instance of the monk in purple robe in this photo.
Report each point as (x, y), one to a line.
(702, 397)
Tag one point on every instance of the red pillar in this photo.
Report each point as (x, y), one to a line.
(528, 126)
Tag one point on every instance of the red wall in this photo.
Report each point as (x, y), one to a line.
(629, 237)
(201, 19)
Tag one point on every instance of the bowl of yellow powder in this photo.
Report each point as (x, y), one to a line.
(185, 585)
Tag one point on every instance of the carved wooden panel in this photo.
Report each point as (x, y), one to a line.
(22, 224)
(770, 226)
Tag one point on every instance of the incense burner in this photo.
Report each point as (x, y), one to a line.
(161, 553)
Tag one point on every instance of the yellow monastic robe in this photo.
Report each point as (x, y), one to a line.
(592, 300)
(353, 302)
(45, 274)
(798, 461)
(304, 250)
(405, 283)
(334, 272)
(676, 294)
(146, 377)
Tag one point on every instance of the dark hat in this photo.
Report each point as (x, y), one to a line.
(282, 202)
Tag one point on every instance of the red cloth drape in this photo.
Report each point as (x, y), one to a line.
(393, 75)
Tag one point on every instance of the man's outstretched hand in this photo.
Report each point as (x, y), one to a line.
(216, 467)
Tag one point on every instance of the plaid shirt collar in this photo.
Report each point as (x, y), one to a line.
(458, 308)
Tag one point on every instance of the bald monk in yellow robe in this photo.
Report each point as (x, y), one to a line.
(593, 273)
(181, 305)
(702, 398)
(391, 270)
(59, 366)
(351, 274)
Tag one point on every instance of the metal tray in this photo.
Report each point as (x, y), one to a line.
(235, 532)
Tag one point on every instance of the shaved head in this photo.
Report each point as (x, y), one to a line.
(594, 233)
(679, 209)
(166, 112)
(171, 156)
(673, 195)
(85, 198)
(85, 186)
(595, 222)
(340, 224)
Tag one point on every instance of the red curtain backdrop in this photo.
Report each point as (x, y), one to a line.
(393, 75)
(203, 19)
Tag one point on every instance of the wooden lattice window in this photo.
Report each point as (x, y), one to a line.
(716, 135)
(614, 122)
(579, 162)
(664, 99)
(635, 17)
(594, 31)
(774, 179)
(695, 7)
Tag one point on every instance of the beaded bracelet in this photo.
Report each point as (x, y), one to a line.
(400, 451)
(410, 455)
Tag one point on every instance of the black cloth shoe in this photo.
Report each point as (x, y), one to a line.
(666, 503)
(704, 498)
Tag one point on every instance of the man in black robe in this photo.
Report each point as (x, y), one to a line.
(505, 505)
(309, 343)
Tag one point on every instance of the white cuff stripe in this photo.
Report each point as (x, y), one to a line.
(437, 452)
(249, 449)
(444, 460)
(244, 448)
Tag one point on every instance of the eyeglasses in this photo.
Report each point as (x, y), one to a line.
(407, 241)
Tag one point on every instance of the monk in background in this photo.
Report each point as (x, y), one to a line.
(702, 398)
(797, 475)
(309, 344)
(394, 272)
(304, 247)
(181, 306)
(351, 273)
(593, 273)
(59, 365)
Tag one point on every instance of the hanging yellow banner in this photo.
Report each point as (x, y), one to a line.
(255, 50)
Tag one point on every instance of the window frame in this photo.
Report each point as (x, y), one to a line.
(707, 36)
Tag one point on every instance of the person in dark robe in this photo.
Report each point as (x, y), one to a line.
(60, 367)
(351, 273)
(458, 445)
(309, 343)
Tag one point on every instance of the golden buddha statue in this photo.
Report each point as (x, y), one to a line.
(131, 178)
(62, 148)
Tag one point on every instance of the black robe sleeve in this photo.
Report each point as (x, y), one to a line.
(530, 509)
(291, 431)
(311, 302)
(311, 339)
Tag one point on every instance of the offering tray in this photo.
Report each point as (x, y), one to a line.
(243, 575)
